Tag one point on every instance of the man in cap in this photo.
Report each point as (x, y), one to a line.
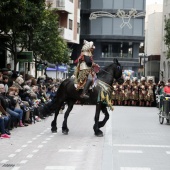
(84, 72)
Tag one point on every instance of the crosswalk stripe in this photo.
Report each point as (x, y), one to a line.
(134, 168)
(144, 146)
(130, 151)
(60, 168)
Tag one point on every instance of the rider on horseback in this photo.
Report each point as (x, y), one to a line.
(85, 68)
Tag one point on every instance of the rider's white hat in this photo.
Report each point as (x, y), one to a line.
(88, 45)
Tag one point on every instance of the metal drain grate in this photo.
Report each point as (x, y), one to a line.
(8, 165)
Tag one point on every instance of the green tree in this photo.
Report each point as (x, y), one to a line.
(26, 24)
(167, 36)
(47, 44)
(11, 13)
(18, 18)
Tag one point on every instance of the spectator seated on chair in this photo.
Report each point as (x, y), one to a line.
(167, 89)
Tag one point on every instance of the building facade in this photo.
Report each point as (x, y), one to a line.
(117, 33)
(69, 26)
(69, 19)
(165, 63)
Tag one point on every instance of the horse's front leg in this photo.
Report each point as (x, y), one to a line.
(65, 129)
(97, 131)
(103, 122)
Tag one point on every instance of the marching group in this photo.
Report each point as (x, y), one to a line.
(140, 93)
(135, 92)
(22, 102)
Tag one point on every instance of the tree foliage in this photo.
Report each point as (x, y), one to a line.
(28, 25)
(47, 42)
(167, 36)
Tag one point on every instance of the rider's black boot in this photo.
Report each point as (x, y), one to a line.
(85, 90)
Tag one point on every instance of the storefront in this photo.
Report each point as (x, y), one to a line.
(59, 72)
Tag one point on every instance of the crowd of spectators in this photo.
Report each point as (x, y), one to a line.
(24, 101)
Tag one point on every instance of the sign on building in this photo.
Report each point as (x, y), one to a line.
(26, 56)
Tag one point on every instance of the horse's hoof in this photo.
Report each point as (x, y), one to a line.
(54, 130)
(99, 134)
(65, 132)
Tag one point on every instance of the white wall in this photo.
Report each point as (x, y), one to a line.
(164, 63)
(153, 37)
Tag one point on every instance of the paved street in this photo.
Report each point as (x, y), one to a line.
(133, 140)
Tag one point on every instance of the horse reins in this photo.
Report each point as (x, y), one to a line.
(105, 71)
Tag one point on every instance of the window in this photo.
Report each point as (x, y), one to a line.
(70, 24)
(123, 50)
(79, 4)
(78, 28)
(71, 0)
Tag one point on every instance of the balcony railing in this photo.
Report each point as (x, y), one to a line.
(67, 34)
(65, 5)
(121, 55)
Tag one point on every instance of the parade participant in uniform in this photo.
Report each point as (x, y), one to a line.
(150, 92)
(121, 94)
(127, 91)
(115, 93)
(84, 72)
(135, 91)
(142, 91)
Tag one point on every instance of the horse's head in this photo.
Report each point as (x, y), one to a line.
(118, 71)
(111, 72)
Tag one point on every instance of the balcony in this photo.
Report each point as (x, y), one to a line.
(64, 6)
(67, 34)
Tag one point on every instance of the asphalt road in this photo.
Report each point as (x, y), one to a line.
(133, 140)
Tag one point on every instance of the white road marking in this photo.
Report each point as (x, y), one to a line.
(134, 168)
(60, 168)
(15, 168)
(34, 151)
(48, 139)
(69, 150)
(4, 161)
(130, 151)
(42, 133)
(12, 155)
(23, 161)
(29, 141)
(44, 142)
(18, 150)
(167, 152)
(144, 146)
(51, 136)
(40, 146)
(38, 135)
(29, 156)
(23, 146)
(34, 138)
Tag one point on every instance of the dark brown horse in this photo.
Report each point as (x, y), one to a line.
(68, 93)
